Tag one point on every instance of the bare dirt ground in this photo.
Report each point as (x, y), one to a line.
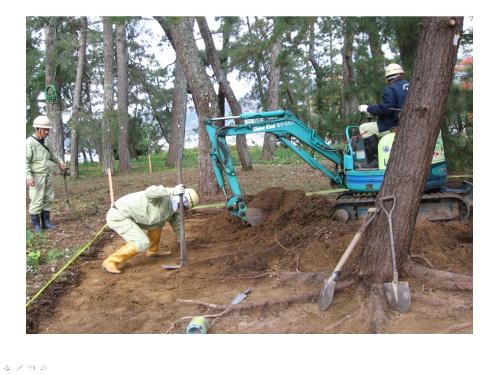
(283, 261)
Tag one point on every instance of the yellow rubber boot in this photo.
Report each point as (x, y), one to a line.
(154, 236)
(124, 253)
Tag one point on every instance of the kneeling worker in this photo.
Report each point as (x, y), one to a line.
(148, 211)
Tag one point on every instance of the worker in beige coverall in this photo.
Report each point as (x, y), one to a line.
(38, 174)
(148, 211)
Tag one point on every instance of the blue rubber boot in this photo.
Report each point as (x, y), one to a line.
(35, 222)
(46, 224)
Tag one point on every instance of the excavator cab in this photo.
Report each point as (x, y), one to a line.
(356, 156)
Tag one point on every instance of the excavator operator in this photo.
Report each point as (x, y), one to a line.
(387, 112)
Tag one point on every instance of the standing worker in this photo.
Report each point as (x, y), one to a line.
(388, 111)
(147, 210)
(38, 174)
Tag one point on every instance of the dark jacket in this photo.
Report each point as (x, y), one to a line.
(393, 97)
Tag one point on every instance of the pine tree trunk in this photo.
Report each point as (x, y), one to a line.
(411, 154)
(204, 96)
(349, 100)
(273, 98)
(77, 100)
(55, 138)
(90, 155)
(84, 155)
(122, 96)
(407, 30)
(371, 27)
(256, 70)
(213, 59)
(178, 127)
(107, 135)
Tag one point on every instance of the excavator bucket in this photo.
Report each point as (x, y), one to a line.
(256, 216)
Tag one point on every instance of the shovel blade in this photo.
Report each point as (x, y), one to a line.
(326, 294)
(256, 216)
(171, 266)
(398, 295)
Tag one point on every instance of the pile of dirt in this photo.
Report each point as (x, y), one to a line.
(447, 245)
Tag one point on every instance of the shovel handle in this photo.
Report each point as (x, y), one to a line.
(355, 240)
(386, 199)
(391, 233)
(182, 235)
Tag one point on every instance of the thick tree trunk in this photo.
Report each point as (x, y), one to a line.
(204, 96)
(84, 155)
(77, 100)
(178, 127)
(107, 135)
(411, 154)
(122, 95)
(213, 59)
(370, 26)
(273, 96)
(349, 100)
(56, 135)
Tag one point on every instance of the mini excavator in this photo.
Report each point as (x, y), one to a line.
(343, 163)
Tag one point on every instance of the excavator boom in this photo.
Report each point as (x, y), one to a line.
(288, 129)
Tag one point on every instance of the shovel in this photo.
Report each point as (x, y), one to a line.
(397, 292)
(326, 294)
(181, 230)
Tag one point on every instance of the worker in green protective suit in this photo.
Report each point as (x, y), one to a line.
(139, 218)
(38, 174)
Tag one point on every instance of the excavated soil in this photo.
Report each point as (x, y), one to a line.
(285, 257)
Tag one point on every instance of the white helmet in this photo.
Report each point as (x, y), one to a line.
(393, 69)
(192, 197)
(42, 122)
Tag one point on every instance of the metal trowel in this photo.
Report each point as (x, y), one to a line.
(240, 297)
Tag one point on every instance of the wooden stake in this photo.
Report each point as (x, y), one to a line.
(149, 160)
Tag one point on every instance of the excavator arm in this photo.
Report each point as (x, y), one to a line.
(285, 126)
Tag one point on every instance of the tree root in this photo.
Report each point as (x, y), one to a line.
(338, 322)
(423, 258)
(377, 306)
(302, 277)
(456, 327)
(440, 279)
(303, 297)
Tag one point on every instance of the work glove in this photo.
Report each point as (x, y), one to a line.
(363, 108)
(178, 189)
(175, 202)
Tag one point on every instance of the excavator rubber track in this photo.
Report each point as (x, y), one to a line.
(435, 206)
